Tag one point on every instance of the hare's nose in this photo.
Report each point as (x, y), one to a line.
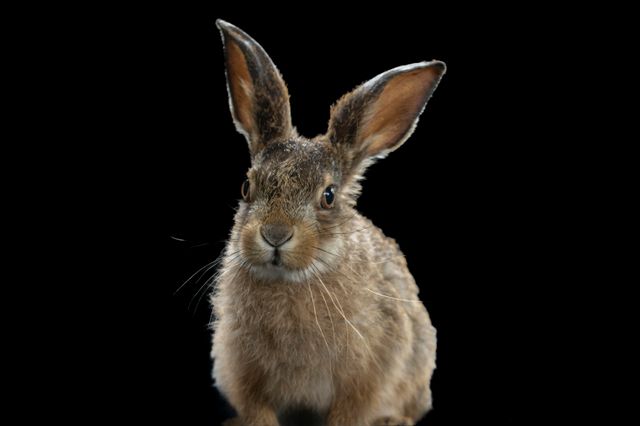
(276, 234)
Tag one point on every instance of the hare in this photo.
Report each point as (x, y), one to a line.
(315, 309)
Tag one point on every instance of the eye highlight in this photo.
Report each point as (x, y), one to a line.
(328, 197)
(244, 190)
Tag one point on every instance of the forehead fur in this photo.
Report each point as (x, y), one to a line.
(299, 163)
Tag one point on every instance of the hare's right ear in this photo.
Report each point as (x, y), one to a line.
(258, 97)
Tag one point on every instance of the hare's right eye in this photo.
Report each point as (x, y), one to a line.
(246, 186)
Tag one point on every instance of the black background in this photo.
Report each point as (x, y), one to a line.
(461, 196)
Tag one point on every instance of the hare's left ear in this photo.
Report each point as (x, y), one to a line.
(380, 115)
(258, 97)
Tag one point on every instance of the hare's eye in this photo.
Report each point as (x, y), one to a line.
(328, 197)
(246, 186)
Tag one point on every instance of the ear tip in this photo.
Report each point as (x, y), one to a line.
(223, 25)
(231, 32)
(436, 67)
(439, 66)
(224, 28)
(228, 29)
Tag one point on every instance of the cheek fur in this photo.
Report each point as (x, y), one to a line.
(250, 244)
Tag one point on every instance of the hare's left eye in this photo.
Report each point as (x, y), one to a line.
(328, 197)
(246, 187)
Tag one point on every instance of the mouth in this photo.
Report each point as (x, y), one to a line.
(274, 269)
(275, 266)
(276, 259)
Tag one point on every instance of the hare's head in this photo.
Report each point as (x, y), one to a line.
(299, 194)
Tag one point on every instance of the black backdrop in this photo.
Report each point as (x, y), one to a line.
(459, 196)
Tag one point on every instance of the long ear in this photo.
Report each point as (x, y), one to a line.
(258, 97)
(380, 115)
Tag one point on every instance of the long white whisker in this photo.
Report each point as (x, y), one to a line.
(391, 297)
(204, 287)
(319, 259)
(315, 313)
(366, 344)
(330, 319)
(237, 265)
(210, 282)
(340, 309)
(208, 265)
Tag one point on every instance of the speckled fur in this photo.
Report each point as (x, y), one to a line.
(337, 328)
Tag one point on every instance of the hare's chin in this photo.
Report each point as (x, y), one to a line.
(270, 272)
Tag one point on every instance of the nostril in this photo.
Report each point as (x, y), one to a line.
(276, 234)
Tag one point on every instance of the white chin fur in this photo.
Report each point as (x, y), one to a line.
(269, 272)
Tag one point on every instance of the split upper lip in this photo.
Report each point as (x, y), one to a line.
(276, 260)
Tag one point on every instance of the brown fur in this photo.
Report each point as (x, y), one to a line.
(332, 322)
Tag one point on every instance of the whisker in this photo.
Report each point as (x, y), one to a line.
(380, 262)
(341, 311)
(342, 223)
(200, 245)
(195, 244)
(345, 233)
(354, 271)
(208, 265)
(208, 285)
(330, 319)
(315, 313)
(391, 297)
(319, 259)
(200, 291)
(235, 261)
(334, 304)
(326, 251)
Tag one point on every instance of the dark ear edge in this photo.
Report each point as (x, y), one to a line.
(258, 96)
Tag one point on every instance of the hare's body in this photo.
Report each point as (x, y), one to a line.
(315, 308)
(380, 345)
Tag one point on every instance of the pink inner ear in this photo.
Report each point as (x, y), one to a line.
(241, 87)
(390, 119)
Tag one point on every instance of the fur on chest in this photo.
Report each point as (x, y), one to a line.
(290, 324)
(291, 336)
